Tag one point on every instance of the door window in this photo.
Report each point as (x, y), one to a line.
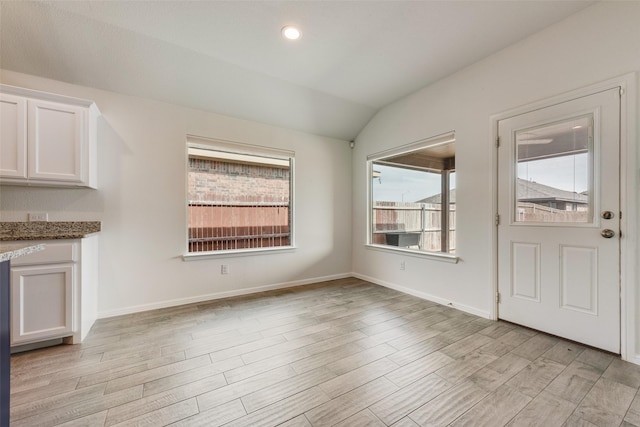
(554, 179)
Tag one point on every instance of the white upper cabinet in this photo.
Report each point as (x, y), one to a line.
(46, 139)
(13, 135)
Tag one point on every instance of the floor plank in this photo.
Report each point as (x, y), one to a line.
(348, 404)
(606, 403)
(449, 405)
(544, 410)
(221, 415)
(401, 403)
(496, 409)
(271, 394)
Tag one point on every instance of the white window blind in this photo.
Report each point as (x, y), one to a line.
(239, 196)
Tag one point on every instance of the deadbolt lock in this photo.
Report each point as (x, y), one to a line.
(607, 214)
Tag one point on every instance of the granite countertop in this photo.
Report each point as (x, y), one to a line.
(49, 230)
(10, 251)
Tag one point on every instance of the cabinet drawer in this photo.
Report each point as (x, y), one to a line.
(53, 253)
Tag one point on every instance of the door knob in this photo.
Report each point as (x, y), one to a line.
(607, 234)
(607, 215)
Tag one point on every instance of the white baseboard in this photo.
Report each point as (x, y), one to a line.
(425, 296)
(257, 289)
(634, 358)
(217, 295)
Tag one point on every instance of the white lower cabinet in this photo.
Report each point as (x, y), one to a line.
(41, 302)
(54, 292)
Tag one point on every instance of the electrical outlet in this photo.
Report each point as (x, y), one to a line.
(402, 265)
(38, 216)
(224, 269)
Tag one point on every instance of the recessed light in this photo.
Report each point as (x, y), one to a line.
(577, 127)
(290, 32)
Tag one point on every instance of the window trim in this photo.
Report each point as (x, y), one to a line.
(232, 147)
(193, 256)
(434, 141)
(438, 256)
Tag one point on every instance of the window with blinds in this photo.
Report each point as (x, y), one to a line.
(239, 197)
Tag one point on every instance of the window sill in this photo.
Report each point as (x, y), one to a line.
(412, 252)
(195, 256)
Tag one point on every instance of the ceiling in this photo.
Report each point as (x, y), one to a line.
(228, 56)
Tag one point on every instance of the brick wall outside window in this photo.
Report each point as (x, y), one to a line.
(237, 206)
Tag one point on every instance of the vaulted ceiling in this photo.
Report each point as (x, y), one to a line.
(228, 57)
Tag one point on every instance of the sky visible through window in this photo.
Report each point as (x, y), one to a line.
(569, 173)
(405, 185)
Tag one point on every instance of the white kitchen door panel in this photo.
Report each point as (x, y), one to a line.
(579, 279)
(44, 296)
(525, 268)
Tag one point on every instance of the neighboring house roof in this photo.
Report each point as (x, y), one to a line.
(532, 191)
(527, 191)
(437, 198)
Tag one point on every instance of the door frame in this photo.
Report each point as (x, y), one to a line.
(629, 309)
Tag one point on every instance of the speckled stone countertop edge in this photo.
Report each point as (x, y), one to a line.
(53, 230)
(26, 238)
(10, 251)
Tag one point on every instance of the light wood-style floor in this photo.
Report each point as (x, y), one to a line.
(345, 353)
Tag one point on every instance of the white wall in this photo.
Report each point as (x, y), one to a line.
(597, 44)
(141, 203)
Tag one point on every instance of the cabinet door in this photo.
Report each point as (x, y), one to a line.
(13, 136)
(57, 139)
(41, 302)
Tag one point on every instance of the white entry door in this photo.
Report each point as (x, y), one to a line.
(559, 219)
